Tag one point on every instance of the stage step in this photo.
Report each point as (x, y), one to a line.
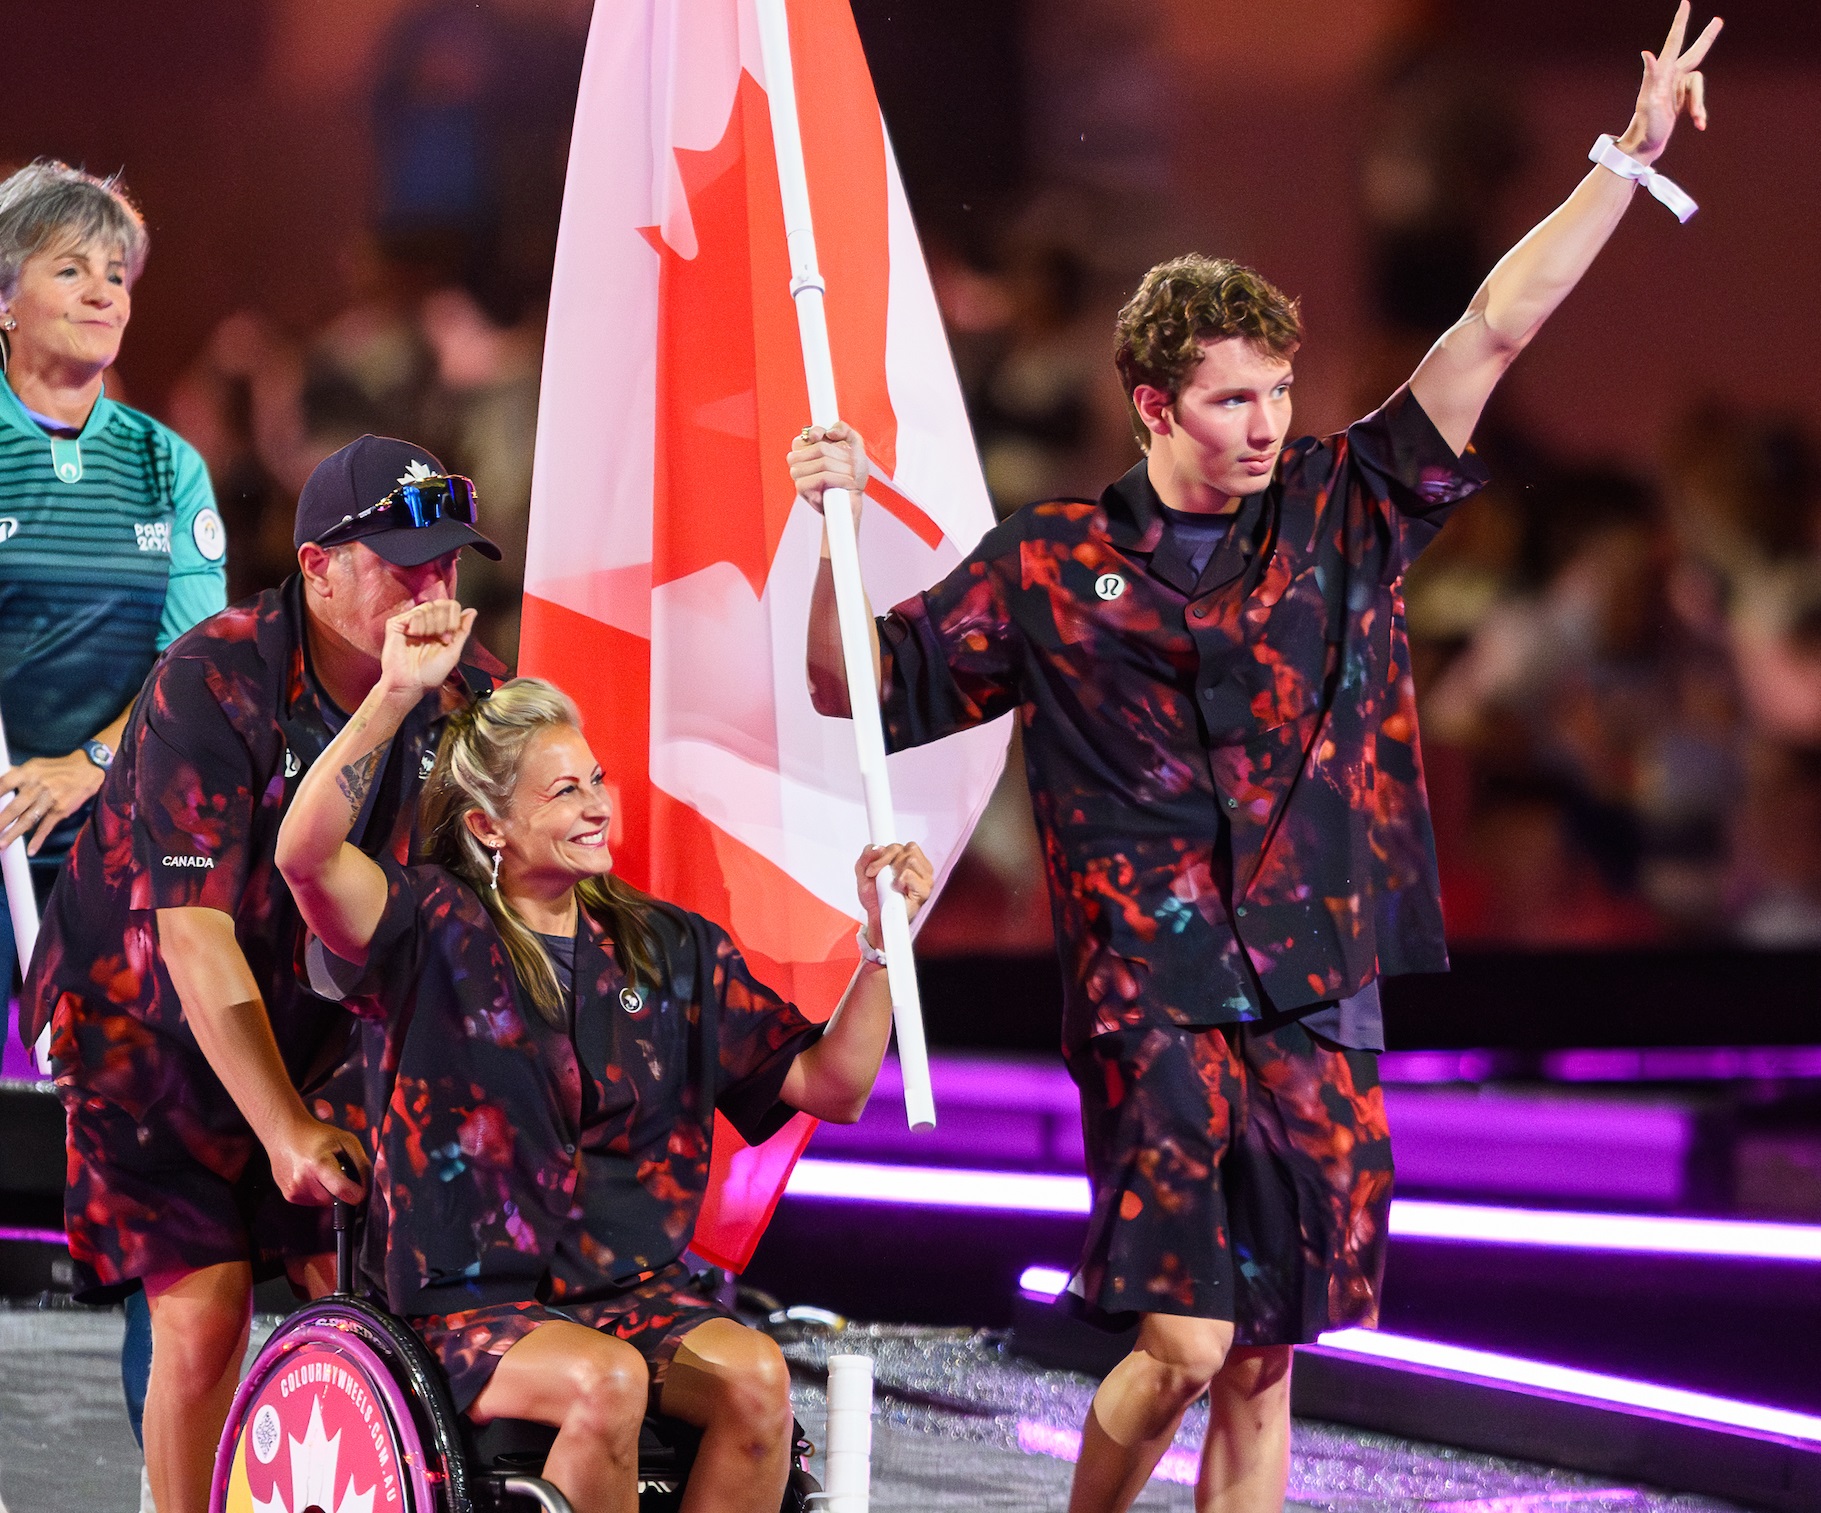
(1610, 1426)
(1530, 1409)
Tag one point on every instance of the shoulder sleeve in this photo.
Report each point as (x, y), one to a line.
(1404, 469)
(375, 991)
(199, 548)
(950, 656)
(758, 1036)
(194, 793)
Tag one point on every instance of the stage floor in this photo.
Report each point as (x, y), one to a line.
(958, 1424)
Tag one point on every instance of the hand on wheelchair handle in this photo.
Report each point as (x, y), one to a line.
(316, 1163)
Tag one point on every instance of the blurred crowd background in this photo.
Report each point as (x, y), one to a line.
(354, 205)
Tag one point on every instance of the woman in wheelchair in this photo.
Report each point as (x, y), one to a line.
(542, 1157)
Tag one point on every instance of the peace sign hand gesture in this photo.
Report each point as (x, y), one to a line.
(1672, 84)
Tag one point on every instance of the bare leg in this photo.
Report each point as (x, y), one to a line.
(312, 1276)
(1245, 1460)
(1135, 1414)
(593, 1389)
(199, 1337)
(733, 1384)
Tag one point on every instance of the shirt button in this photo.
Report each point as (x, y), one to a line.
(1199, 612)
(569, 1150)
(1232, 803)
(1241, 911)
(1207, 693)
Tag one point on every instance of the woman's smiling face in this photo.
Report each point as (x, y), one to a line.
(72, 304)
(556, 823)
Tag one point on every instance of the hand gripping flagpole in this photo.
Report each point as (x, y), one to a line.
(22, 904)
(806, 290)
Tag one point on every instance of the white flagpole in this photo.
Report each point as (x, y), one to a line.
(844, 554)
(22, 904)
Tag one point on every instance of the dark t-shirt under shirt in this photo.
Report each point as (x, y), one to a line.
(1197, 534)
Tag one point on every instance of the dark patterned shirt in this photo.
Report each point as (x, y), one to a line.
(188, 816)
(1223, 766)
(520, 1159)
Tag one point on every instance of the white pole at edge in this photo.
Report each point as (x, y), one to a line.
(22, 904)
(806, 289)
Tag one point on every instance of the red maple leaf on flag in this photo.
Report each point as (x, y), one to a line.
(654, 590)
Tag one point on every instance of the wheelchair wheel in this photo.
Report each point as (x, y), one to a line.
(342, 1412)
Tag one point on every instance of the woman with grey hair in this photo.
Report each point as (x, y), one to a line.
(110, 546)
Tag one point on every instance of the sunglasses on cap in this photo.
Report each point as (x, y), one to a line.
(411, 506)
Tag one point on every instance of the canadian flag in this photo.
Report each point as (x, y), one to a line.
(670, 563)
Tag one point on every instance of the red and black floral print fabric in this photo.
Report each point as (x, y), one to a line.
(652, 1314)
(188, 817)
(510, 1168)
(1224, 767)
(1240, 1173)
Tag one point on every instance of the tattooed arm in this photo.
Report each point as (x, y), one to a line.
(340, 891)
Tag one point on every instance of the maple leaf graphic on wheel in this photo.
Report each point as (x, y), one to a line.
(314, 1460)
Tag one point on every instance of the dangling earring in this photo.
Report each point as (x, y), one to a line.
(496, 870)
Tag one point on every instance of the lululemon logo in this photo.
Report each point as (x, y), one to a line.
(1109, 586)
(424, 765)
(9, 527)
(292, 765)
(629, 1000)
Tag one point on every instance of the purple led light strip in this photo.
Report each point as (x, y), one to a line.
(1505, 1370)
(939, 1187)
(1648, 1234)
(1698, 1063)
(33, 1236)
(1623, 1392)
(1411, 1218)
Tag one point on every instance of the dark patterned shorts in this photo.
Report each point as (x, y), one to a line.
(652, 1316)
(1238, 1173)
(153, 1196)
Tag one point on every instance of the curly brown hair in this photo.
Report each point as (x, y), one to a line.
(1192, 299)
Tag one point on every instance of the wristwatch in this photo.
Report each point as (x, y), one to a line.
(100, 753)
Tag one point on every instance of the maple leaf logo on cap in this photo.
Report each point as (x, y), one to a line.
(418, 472)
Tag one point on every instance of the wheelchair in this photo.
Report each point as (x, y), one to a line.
(344, 1410)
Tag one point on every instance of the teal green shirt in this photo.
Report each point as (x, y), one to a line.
(110, 548)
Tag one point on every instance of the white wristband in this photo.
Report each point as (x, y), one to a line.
(868, 951)
(1608, 154)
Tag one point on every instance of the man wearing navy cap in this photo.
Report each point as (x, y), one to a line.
(195, 1071)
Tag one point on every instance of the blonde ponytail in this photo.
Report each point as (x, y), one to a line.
(476, 768)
